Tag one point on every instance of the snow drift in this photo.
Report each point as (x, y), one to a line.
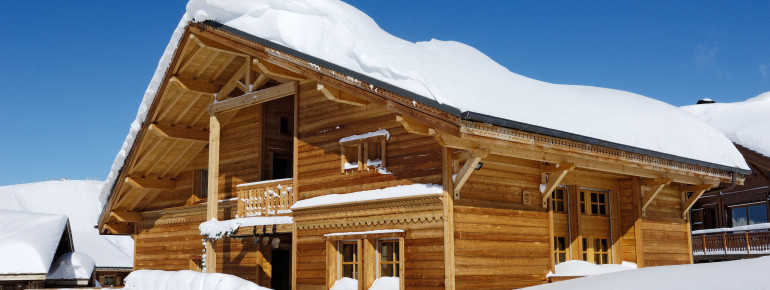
(746, 123)
(189, 280)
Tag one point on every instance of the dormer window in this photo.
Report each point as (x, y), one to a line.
(363, 152)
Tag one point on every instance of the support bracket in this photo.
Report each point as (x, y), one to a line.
(655, 185)
(551, 176)
(468, 168)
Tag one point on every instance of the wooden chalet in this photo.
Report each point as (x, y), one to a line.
(464, 201)
(730, 222)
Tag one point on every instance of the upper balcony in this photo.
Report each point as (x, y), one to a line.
(731, 243)
(265, 198)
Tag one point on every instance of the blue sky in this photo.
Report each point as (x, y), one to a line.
(73, 72)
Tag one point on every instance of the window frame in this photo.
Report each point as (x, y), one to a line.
(589, 251)
(564, 200)
(362, 152)
(201, 183)
(557, 251)
(398, 254)
(745, 207)
(586, 205)
(369, 261)
(356, 263)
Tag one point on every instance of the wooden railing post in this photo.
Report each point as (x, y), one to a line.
(748, 246)
(724, 242)
(705, 247)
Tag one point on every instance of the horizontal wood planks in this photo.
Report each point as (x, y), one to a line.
(500, 248)
(665, 243)
(322, 123)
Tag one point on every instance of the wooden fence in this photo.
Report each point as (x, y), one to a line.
(730, 243)
(265, 198)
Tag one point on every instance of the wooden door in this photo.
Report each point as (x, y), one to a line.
(594, 228)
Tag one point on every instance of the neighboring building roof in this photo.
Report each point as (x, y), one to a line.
(450, 76)
(77, 199)
(746, 123)
(72, 265)
(28, 241)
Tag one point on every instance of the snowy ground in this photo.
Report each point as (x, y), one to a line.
(741, 274)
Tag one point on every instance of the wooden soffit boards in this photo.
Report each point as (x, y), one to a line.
(367, 92)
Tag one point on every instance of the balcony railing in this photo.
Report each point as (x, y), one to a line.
(265, 198)
(732, 243)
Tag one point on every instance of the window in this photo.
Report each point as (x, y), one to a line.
(748, 214)
(390, 260)
(363, 154)
(285, 126)
(348, 259)
(364, 257)
(108, 280)
(560, 249)
(596, 204)
(201, 185)
(558, 200)
(596, 250)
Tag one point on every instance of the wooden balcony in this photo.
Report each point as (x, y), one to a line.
(265, 198)
(732, 244)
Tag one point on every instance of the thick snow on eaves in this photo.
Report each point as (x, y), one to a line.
(399, 191)
(28, 241)
(458, 75)
(79, 200)
(746, 123)
(144, 108)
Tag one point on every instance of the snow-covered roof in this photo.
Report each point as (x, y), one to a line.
(451, 74)
(28, 241)
(746, 123)
(72, 265)
(411, 190)
(77, 199)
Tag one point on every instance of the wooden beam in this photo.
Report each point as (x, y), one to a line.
(555, 174)
(124, 229)
(196, 85)
(254, 98)
(126, 216)
(447, 203)
(139, 182)
(415, 127)
(232, 83)
(215, 45)
(213, 189)
(468, 168)
(339, 96)
(182, 133)
(655, 185)
(697, 191)
(276, 71)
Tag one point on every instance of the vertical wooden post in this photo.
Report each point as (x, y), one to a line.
(689, 240)
(748, 245)
(550, 237)
(638, 236)
(213, 190)
(724, 242)
(449, 231)
(576, 237)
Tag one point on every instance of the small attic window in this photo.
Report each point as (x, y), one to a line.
(363, 152)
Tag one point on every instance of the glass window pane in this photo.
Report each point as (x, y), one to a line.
(594, 197)
(757, 214)
(387, 270)
(602, 198)
(348, 252)
(347, 271)
(739, 216)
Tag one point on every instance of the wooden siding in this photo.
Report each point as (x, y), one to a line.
(322, 123)
(665, 243)
(628, 215)
(500, 248)
(423, 239)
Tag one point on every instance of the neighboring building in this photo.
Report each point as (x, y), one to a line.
(78, 200)
(349, 157)
(731, 222)
(29, 244)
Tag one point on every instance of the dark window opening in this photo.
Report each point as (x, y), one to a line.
(285, 126)
(282, 168)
